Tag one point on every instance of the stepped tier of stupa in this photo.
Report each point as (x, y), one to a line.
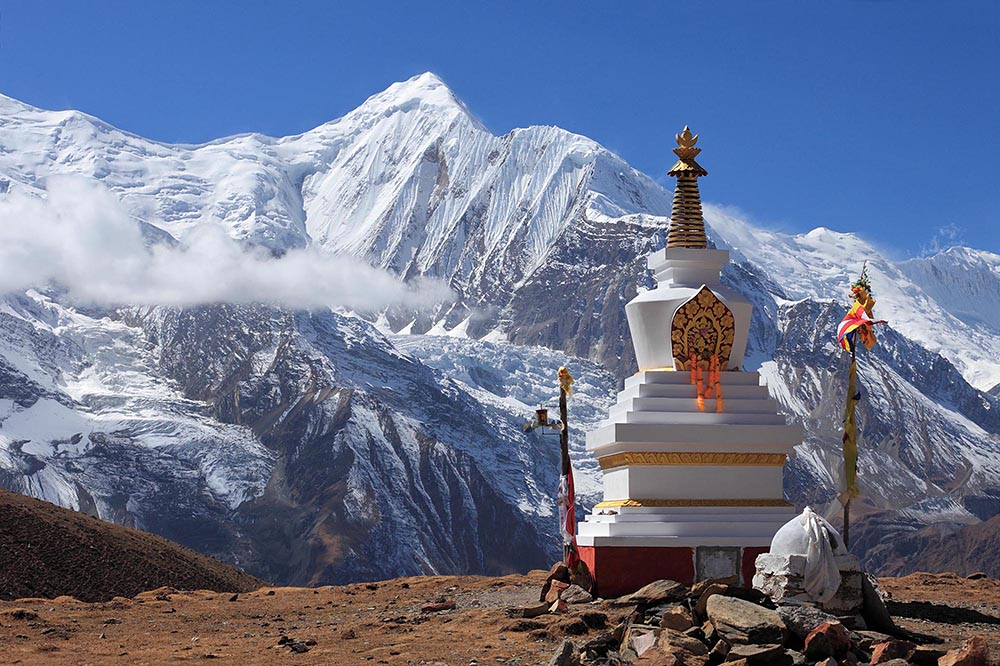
(693, 452)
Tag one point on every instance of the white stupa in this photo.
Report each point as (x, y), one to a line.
(692, 485)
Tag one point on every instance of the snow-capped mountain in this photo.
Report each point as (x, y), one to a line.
(964, 281)
(311, 447)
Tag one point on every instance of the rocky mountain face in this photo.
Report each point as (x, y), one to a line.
(303, 447)
(317, 447)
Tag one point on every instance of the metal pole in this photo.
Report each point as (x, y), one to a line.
(564, 451)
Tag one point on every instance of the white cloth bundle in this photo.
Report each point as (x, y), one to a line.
(822, 576)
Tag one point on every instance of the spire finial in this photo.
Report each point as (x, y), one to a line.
(687, 227)
(685, 139)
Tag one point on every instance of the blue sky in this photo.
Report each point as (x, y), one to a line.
(872, 116)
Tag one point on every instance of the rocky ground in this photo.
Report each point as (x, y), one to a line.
(947, 605)
(425, 620)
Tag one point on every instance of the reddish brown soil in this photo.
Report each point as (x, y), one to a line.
(353, 624)
(948, 606)
(382, 623)
(46, 550)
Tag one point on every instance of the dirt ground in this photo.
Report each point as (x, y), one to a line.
(947, 606)
(382, 623)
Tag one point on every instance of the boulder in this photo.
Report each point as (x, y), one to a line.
(979, 575)
(534, 610)
(926, 655)
(558, 572)
(652, 614)
(802, 619)
(782, 578)
(556, 588)
(598, 648)
(831, 640)
(818, 647)
(739, 621)
(678, 618)
(749, 594)
(756, 654)
(639, 637)
(699, 588)
(437, 606)
(866, 639)
(641, 643)
(719, 652)
(873, 610)
(657, 592)
(891, 649)
(657, 658)
(581, 577)
(794, 658)
(708, 633)
(708, 593)
(574, 594)
(671, 641)
(565, 655)
(975, 652)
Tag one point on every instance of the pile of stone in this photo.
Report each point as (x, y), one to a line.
(719, 622)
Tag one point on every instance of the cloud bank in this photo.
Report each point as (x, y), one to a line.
(81, 239)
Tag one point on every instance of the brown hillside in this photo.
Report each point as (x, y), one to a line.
(962, 550)
(49, 551)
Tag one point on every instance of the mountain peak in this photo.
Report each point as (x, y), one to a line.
(425, 90)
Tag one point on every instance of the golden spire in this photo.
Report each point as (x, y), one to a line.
(687, 225)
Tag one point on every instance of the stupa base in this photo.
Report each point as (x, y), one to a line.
(622, 569)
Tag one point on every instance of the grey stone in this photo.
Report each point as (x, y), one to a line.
(574, 594)
(534, 610)
(756, 654)
(634, 634)
(677, 641)
(781, 577)
(698, 588)
(866, 639)
(739, 621)
(795, 658)
(565, 655)
(657, 592)
(678, 618)
(699, 606)
(802, 619)
(719, 651)
(873, 609)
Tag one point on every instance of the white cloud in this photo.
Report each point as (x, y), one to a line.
(945, 236)
(81, 239)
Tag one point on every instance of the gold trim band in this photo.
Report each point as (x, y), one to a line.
(691, 458)
(614, 504)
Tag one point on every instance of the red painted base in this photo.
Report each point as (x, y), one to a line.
(748, 563)
(619, 570)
